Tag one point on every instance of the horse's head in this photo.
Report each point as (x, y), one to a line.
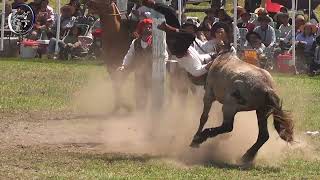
(98, 6)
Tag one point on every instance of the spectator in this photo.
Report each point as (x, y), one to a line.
(224, 17)
(254, 41)
(66, 20)
(251, 5)
(245, 17)
(305, 40)
(212, 13)
(285, 27)
(219, 37)
(284, 9)
(307, 36)
(265, 31)
(300, 20)
(205, 27)
(15, 3)
(77, 7)
(46, 10)
(69, 45)
(260, 12)
(315, 64)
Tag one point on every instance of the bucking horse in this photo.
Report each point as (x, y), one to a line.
(240, 86)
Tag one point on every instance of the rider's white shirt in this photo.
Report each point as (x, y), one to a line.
(194, 63)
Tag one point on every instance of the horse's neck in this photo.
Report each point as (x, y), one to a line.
(111, 21)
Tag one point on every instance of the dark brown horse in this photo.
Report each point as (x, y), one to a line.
(242, 87)
(115, 40)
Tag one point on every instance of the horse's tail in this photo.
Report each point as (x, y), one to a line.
(283, 122)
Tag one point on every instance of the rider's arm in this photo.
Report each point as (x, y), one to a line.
(205, 58)
(192, 64)
(129, 56)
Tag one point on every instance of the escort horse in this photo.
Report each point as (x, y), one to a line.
(115, 42)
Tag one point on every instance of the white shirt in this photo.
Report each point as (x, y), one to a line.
(284, 30)
(194, 63)
(127, 60)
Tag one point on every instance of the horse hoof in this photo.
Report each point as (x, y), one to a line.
(194, 145)
(247, 159)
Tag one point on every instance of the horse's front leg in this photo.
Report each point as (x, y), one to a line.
(229, 111)
(208, 99)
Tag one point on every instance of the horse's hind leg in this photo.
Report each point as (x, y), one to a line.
(229, 111)
(207, 103)
(263, 136)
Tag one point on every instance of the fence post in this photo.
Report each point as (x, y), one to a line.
(158, 65)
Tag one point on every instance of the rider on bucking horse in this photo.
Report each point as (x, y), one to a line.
(179, 41)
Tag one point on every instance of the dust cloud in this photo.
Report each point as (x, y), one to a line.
(169, 133)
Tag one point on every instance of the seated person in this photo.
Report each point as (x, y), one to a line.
(315, 64)
(307, 36)
(69, 45)
(77, 7)
(66, 20)
(44, 21)
(224, 17)
(219, 33)
(254, 42)
(285, 27)
(245, 17)
(305, 41)
(265, 31)
(205, 27)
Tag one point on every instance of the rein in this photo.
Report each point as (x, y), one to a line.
(120, 12)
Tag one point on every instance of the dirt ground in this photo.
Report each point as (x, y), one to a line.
(168, 136)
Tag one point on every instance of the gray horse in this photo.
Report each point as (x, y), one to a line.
(240, 86)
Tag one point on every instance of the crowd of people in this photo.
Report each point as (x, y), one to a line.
(269, 34)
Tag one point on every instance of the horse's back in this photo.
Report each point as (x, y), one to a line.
(229, 74)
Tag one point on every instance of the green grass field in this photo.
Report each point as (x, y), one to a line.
(38, 93)
(29, 86)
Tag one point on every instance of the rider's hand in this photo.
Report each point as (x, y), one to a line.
(208, 65)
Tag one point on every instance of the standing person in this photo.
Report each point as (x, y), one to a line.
(139, 60)
(251, 5)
